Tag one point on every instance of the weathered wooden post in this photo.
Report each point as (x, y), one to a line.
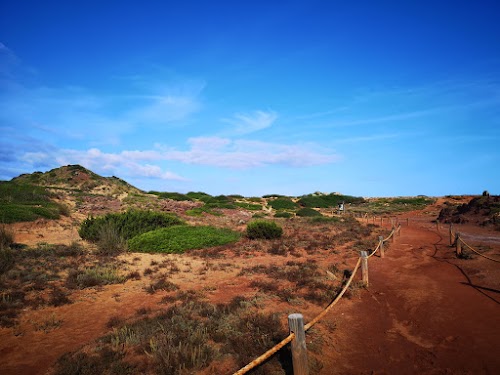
(364, 267)
(458, 244)
(451, 234)
(407, 221)
(382, 250)
(393, 237)
(299, 350)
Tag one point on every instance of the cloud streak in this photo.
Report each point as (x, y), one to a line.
(245, 123)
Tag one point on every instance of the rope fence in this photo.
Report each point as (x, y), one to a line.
(295, 321)
(457, 241)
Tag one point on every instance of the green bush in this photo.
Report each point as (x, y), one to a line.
(283, 214)
(171, 195)
(179, 238)
(249, 206)
(308, 212)
(128, 224)
(283, 204)
(263, 229)
(198, 195)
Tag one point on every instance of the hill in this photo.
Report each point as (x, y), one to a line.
(76, 177)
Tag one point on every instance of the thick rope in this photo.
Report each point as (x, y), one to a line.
(477, 252)
(265, 356)
(257, 361)
(334, 302)
(374, 251)
(390, 235)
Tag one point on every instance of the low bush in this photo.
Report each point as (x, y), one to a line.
(283, 214)
(179, 238)
(6, 237)
(128, 224)
(308, 212)
(249, 206)
(263, 229)
(110, 241)
(283, 204)
(171, 195)
(94, 276)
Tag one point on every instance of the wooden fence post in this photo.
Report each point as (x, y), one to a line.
(382, 250)
(364, 267)
(451, 234)
(393, 237)
(299, 350)
(458, 243)
(407, 221)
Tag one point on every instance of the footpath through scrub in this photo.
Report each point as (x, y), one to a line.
(425, 312)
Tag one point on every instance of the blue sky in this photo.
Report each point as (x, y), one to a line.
(369, 98)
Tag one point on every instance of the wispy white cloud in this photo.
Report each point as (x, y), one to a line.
(240, 154)
(245, 123)
(367, 138)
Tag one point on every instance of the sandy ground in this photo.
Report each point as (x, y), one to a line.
(425, 311)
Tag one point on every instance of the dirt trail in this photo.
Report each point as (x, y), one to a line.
(425, 312)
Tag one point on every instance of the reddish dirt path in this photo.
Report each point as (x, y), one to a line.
(420, 314)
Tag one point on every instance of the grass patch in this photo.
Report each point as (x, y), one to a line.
(178, 239)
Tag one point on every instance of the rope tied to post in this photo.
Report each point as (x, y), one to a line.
(477, 252)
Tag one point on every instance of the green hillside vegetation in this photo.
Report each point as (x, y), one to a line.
(76, 178)
(171, 195)
(26, 202)
(379, 206)
(128, 224)
(178, 239)
(327, 200)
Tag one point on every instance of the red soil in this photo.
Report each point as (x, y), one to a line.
(425, 311)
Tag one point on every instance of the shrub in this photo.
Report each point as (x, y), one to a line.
(308, 212)
(174, 196)
(179, 238)
(95, 276)
(128, 224)
(283, 214)
(249, 206)
(110, 241)
(283, 204)
(263, 229)
(6, 237)
(6, 256)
